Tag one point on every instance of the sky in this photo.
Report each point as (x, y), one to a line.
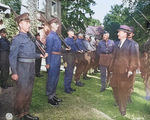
(103, 7)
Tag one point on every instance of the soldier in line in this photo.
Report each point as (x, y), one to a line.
(104, 51)
(53, 61)
(22, 61)
(70, 60)
(130, 37)
(92, 61)
(81, 62)
(122, 67)
(38, 61)
(4, 58)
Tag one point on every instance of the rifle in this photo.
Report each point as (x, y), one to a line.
(31, 36)
(59, 35)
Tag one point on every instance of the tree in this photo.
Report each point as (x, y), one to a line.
(11, 26)
(117, 16)
(94, 22)
(74, 11)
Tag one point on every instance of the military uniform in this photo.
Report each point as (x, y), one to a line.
(70, 64)
(105, 55)
(81, 62)
(22, 61)
(53, 48)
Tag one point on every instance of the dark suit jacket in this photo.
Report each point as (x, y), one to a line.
(124, 58)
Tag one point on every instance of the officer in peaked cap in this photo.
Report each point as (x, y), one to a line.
(122, 66)
(54, 49)
(22, 61)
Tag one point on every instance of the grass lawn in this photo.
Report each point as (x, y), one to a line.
(87, 103)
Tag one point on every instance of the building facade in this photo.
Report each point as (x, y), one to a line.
(49, 8)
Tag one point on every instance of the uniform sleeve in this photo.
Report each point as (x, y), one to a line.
(37, 56)
(14, 50)
(49, 48)
(98, 49)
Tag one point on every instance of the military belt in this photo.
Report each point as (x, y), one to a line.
(26, 60)
(56, 53)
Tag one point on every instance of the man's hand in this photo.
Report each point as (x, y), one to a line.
(45, 56)
(68, 49)
(47, 66)
(15, 77)
(129, 74)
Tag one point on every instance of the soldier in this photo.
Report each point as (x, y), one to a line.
(122, 67)
(70, 59)
(53, 48)
(4, 58)
(38, 61)
(22, 61)
(130, 37)
(81, 62)
(104, 51)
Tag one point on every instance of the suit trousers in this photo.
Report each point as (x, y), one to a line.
(24, 87)
(120, 84)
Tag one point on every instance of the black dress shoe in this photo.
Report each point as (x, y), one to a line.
(57, 99)
(123, 113)
(53, 102)
(80, 84)
(102, 89)
(68, 91)
(4, 86)
(72, 89)
(29, 117)
(86, 78)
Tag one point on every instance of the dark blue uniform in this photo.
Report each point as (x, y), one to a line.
(22, 61)
(79, 44)
(53, 44)
(70, 63)
(4, 60)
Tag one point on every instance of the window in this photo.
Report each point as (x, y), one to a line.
(54, 8)
(41, 5)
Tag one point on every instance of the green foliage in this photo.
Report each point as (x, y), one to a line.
(118, 14)
(94, 22)
(121, 15)
(11, 27)
(73, 13)
(15, 4)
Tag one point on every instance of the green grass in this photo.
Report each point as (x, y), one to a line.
(87, 103)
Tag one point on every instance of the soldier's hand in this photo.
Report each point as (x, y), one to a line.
(15, 77)
(47, 66)
(45, 56)
(68, 49)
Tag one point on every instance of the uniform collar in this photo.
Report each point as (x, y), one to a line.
(22, 33)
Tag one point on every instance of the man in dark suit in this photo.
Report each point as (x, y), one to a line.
(122, 66)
